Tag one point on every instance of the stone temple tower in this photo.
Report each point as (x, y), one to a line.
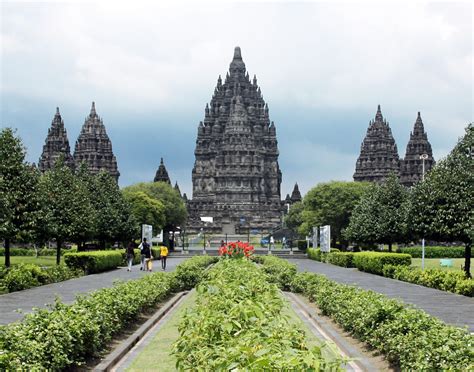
(162, 174)
(56, 144)
(236, 177)
(94, 147)
(378, 152)
(412, 166)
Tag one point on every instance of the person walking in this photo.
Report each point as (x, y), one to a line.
(142, 246)
(272, 243)
(130, 254)
(163, 256)
(148, 257)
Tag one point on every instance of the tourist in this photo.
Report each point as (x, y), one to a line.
(222, 244)
(146, 251)
(142, 254)
(283, 243)
(272, 242)
(163, 256)
(130, 253)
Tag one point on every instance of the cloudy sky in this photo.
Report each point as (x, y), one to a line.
(322, 66)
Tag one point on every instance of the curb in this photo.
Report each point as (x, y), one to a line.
(116, 355)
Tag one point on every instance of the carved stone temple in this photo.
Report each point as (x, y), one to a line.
(411, 170)
(93, 146)
(56, 144)
(162, 174)
(378, 153)
(236, 177)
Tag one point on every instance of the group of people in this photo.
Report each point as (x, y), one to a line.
(146, 256)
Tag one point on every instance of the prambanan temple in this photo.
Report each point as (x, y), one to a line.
(379, 155)
(236, 177)
(93, 146)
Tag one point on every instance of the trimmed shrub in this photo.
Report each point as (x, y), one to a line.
(302, 245)
(28, 252)
(279, 271)
(450, 281)
(317, 255)
(190, 272)
(409, 338)
(95, 261)
(434, 252)
(373, 262)
(344, 259)
(67, 335)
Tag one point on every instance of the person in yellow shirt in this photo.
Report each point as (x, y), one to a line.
(163, 256)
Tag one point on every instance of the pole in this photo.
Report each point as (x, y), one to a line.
(204, 242)
(248, 234)
(423, 157)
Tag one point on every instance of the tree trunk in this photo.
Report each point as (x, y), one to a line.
(7, 252)
(467, 259)
(390, 247)
(58, 251)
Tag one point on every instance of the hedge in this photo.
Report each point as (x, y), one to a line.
(279, 272)
(28, 252)
(23, 276)
(95, 261)
(451, 281)
(373, 262)
(408, 337)
(434, 252)
(67, 335)
(240, 325)
(317, 255)
(344, 259)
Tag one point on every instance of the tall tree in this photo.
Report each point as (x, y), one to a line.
(145, 209)
(442, 206)
(19, 205)
(294, 218)
(332, 204)
(66, 205)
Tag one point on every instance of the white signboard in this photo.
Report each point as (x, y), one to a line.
(207, 219)
(325, 238)
(147, 232)
(315, 237)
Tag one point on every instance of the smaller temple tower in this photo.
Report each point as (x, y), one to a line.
(93, 146)
(176, 187)
(56, 144)
(295, 195)
(378, 153)
(412, 165)
(162, 174)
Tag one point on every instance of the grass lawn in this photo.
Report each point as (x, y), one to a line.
(41, 261)
(433, 263)
(157, 352)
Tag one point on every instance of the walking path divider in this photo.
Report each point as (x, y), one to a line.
(117, 354)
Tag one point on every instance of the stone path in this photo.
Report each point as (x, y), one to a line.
(449, 307)
(28, 299)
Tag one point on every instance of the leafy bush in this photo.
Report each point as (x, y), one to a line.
(408, 337)
(95, 261)
(317, 255)
(238, 324)
(28, 252)
(279, 271)
(190, 272)
(434, 252)
(451, 281)
(24, 276)
(302, 245)
(373, 262)
(66, 335)
(344, 259)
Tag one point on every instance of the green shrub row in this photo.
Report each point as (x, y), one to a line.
(95, 261)
(28, 252)
(238, 324)
(190, 272)
(408, 337)
(451, 281)
(373, 262)
(344, 259)
(67, 335)
(279, 272)
(317, 255)
(23, 276)
(434, 252)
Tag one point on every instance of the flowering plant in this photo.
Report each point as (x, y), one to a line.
(236, 250)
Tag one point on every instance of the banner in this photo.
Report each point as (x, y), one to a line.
(147, 232)
(325, 238)
(315, 237)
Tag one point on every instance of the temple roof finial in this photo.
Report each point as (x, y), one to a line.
(161, 162)
(93, 113)
(237, 53)
(57, 111)
(378, 115)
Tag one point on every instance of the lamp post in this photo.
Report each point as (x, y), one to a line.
(423, 157)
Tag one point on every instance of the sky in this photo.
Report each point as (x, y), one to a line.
(323, 68)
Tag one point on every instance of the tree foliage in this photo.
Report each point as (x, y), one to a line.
(331, 203)
(442, 206)
(19, 210)
(294, 218)
(145, 209)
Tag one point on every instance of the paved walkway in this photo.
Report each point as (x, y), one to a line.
(26, 300)
(449, 307)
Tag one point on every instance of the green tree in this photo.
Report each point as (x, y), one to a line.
(331, 203)
(113, 213)
(442, 206)
(66, 206)
(294, 218)
(146, 210)
(19, 204)
(380, 216)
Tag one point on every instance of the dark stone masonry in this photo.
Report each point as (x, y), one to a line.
(236, 177)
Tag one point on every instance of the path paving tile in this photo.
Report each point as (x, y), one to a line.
(449, 307)
(67, 291)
